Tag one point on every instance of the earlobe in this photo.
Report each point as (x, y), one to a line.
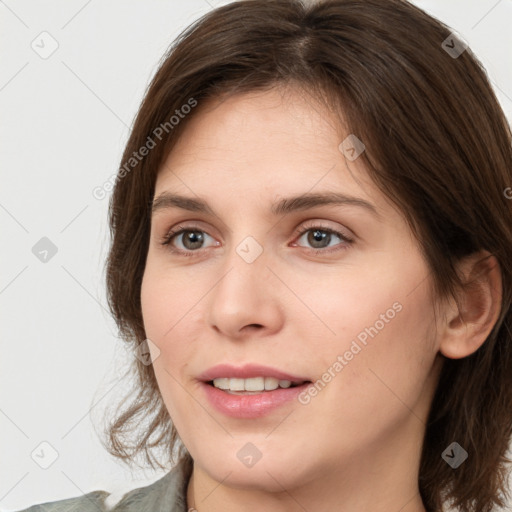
(468, 325)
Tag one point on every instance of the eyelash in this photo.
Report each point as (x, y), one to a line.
(347, 241)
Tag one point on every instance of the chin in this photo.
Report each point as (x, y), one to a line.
(274, 471)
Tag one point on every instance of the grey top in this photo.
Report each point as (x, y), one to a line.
(168, 494)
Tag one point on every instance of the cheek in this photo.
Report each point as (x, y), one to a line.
(335, 307)
(162, 309)
(172, 323)
(167, 300)
(383, 291)
(371, 340)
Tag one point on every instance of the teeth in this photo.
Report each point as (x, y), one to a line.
(271, 383)
(236, 384)
(252, 384)
(221, 383)
(255, 384)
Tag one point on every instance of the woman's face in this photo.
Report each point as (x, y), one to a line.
(292, 267)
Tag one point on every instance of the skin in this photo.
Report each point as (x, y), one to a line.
(356, 445)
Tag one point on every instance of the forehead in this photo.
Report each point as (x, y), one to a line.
(259, 143)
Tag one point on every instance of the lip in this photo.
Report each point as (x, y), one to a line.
(250, 406)
(246, 372)
(254, 405)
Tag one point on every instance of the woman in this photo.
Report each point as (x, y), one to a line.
(310, 257)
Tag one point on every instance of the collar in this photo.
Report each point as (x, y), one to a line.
(168, 494)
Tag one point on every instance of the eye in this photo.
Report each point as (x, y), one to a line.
(187, 239)
(320, 238)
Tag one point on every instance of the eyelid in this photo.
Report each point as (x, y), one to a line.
(319, 224)
(179, 228)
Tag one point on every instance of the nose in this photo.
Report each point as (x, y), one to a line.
(245, 301)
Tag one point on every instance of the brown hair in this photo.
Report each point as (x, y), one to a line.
(437, 144)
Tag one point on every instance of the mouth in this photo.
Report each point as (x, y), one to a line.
(253, 385)
(250, 391)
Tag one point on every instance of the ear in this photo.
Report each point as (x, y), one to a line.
(467, 326)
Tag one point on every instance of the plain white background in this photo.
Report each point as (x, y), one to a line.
(65, 119)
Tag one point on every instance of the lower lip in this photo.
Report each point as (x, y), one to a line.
(250, 406)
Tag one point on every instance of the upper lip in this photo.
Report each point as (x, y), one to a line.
(247, 371)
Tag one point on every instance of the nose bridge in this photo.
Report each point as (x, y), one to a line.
(245, 294)
(243, 280)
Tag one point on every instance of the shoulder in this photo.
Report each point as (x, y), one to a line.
(168, 494)
(90, 502)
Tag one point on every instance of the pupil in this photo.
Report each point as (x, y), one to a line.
(317, 238)
(193, 240)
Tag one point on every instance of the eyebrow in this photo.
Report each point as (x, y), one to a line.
(302, 202)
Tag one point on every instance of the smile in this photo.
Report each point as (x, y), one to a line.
(251, 385)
